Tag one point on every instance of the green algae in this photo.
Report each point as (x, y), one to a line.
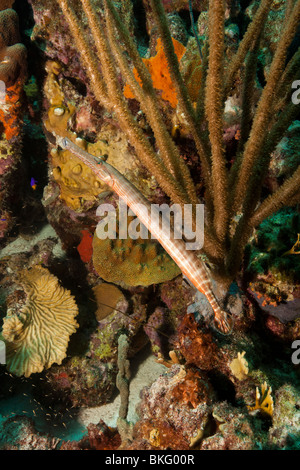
(274, 237)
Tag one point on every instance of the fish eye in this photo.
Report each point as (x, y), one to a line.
(65, 142)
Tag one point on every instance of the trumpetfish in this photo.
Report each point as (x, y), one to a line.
(189, 263)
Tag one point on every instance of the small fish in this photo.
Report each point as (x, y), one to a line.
(237, 135)
(33, 183)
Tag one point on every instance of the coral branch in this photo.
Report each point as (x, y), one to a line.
(181, 91)
(123, 375)
(252, 32)
(264, 110)
(214, 112)
(124, 427)
(87, 57)
(289, 189)
(148, 100)
(231, 195)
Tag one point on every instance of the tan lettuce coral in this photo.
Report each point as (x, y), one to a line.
(37, 333)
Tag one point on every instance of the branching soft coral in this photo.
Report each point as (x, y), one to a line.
(233, 193)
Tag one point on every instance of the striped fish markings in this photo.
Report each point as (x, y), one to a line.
(191, 266)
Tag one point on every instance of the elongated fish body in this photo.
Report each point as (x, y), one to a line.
(191, 266)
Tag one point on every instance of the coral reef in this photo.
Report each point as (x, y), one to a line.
(13, 69)
(99, 437)
(87, 377)
(85, 248)
(284, 433)
(184, 398)
(20, 434)
(233, 430)
(191, 102)
(13, 54)
(274, 273)
(107, 91)
(204, 351)
(4, 4)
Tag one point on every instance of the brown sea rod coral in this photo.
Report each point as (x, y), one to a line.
(12, 52)
(37, 333)
(235, 202)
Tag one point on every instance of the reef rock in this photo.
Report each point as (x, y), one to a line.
(285, 431)
(233, 430)
(19, 433)
(174, 411)
(12, 76)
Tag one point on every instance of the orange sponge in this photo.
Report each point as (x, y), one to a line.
(158, 68)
